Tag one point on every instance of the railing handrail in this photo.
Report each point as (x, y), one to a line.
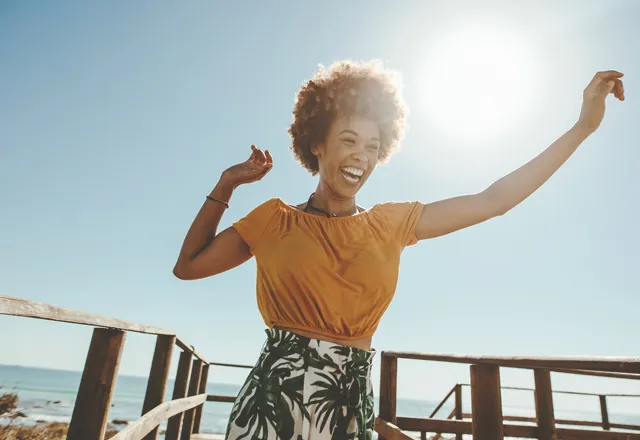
(12, 306)
(574, 393)
(180, 343)
(147, 423)
(595, 373)
(220, 398)
(488, 422)
(220, 364)
(443, 401)
(603, 363)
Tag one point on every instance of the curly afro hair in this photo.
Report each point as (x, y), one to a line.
(347, 88)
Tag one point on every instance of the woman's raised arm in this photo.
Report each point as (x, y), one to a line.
(446, 216)
(205, 252)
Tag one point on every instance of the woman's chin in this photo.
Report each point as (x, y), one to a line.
(349, 192)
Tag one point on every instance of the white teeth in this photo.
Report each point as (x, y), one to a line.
(350, 179)
(355, 171)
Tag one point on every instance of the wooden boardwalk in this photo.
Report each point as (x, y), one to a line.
(183, 413)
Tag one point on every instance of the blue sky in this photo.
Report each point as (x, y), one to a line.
(117, 119)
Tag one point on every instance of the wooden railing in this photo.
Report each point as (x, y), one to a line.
(605, 424)
(90, 412)
(184, 411)
(487, 420)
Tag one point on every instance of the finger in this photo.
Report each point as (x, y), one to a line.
(604, 76)
(267, 167)
(260, 156)
(619, 89)
(610, 74)
(253, 156)
(613, 88)
(616, 88)
(269, 158)
(256, 154)
(604, 88)
(610, 87)
(258, 167)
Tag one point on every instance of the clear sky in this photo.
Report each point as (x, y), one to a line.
(116, 120)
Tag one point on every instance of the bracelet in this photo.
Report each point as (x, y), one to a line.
(213, 199)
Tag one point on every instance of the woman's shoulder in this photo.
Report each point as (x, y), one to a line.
(392, 209)
(399, 219)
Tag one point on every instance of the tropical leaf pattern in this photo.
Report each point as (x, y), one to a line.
(303, 389)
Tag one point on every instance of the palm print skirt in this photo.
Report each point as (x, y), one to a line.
(305, 389)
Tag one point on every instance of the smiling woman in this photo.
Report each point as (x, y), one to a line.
(327, 270)
(480, 82)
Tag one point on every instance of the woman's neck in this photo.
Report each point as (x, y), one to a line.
(327, 201)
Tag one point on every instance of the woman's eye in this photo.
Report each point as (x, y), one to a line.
(349, 141)
(372, 147)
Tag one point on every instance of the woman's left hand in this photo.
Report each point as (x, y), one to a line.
(593, 98)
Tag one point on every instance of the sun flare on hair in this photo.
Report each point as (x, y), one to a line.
(479, 82)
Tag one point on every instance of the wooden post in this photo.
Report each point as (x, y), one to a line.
(388, 388)
(158, 375)
(202, 389)
(179, 391)
(486, 403)
(605, 414)
(93, 401)
(544, 405)
(194, 385)
(458, 407)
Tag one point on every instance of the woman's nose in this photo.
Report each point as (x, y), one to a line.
(359, 155)
(360, 152)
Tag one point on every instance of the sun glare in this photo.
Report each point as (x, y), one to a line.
(479, 82)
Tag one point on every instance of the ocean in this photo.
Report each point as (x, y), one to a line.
(48, 395)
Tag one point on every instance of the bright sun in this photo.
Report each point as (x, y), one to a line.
(479, 82)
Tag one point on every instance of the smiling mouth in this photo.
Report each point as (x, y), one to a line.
(351, 174)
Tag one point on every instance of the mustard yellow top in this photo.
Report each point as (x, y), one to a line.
(329, 275)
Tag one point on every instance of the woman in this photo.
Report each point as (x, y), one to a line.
(327, 268)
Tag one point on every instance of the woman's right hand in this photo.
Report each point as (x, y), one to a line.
(251, 170)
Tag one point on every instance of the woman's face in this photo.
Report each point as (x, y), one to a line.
(349, 154)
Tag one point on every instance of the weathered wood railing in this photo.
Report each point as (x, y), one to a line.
(184, 411)
(487, 420)
(89, 417)
(605, 424)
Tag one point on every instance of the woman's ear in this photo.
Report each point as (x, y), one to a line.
(314, 150)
